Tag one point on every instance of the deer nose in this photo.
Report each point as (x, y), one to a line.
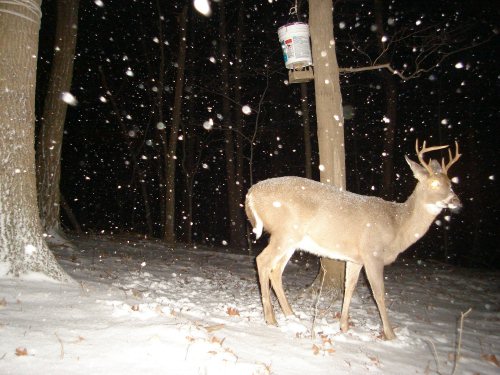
(454, 203)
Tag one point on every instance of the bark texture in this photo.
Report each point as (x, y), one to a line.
(235, 211)
(54, 114)
(330, 118)
(22, 247)
(171, 160)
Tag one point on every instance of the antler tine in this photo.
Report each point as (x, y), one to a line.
(420, 154)
(452, 161)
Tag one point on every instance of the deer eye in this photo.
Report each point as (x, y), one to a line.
(435, 184)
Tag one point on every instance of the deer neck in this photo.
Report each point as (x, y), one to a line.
(415, 218)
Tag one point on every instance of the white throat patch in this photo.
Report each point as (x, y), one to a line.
(433, 208)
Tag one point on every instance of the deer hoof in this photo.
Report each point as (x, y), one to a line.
(389, 336)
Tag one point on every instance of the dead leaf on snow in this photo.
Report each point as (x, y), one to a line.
(491, 358)
(326, 339)
(21, 351)
(231, 311)
(216, 340)
(214, 328)
(159, 310)
(315, 349)
(375, 360)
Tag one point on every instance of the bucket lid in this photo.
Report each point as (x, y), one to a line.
(293, 24)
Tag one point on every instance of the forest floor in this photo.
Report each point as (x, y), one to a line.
(138, 306)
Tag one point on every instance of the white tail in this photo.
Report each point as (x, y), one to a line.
(362, 230)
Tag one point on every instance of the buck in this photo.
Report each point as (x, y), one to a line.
(363, 231)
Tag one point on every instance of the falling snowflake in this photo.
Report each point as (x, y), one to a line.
(209, 124)
(203, 7)
(68, 98)
(246, 109)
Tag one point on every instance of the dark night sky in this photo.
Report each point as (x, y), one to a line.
(457, 100)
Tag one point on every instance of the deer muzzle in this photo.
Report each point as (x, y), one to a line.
(453, 203)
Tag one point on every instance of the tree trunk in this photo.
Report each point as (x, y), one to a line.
(70, 214)
(238, 114)
(330, 119)
(22, 247)
(52, 123)
(140, 173)
(306, 121)
(169, 235)
(391, 101)
(235, 213)
(391, 95)
(161, 132)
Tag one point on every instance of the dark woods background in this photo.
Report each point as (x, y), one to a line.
(124, 81)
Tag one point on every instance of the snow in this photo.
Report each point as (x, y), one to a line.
(140, 307)
(69, 98)
(203, 6)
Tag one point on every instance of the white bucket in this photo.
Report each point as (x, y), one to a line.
(294, 40)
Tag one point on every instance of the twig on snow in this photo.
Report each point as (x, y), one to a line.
(61, 343)
(434, 353)
(313, 335)
(463, 315)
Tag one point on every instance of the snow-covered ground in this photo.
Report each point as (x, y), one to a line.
(138, 307)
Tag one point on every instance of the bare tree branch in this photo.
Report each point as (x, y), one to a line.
(419, 61)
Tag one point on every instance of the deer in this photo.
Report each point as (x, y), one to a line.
(364, 231)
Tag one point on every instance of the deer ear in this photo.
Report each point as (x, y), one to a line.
(418, 171)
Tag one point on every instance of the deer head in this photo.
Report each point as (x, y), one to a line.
(435, 185)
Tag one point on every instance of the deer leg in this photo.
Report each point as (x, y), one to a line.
(375, 274)
(277, 283)
(266, 261)
(351, 278)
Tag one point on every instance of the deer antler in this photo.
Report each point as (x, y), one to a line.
(420, 154)
(452, 159)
